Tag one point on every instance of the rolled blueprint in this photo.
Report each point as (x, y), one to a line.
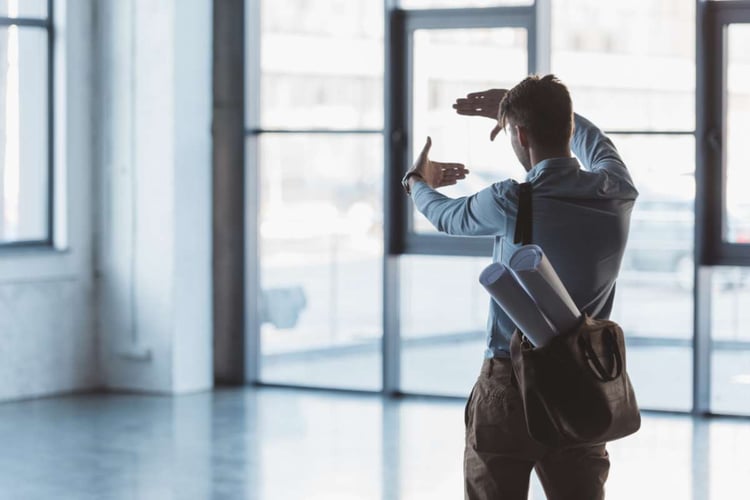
(510, 295)
(539, 279)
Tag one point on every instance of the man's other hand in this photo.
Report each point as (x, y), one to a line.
(436, 174)
(485, 103)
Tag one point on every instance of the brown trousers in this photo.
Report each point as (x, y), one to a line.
(500, 454)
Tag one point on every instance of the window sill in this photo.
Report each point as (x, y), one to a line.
(37, 262)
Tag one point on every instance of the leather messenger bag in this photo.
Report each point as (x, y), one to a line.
(575, 389)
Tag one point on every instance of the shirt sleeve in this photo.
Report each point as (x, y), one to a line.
(596, 151)
(482, 214)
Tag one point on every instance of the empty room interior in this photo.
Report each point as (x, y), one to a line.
(229, 269)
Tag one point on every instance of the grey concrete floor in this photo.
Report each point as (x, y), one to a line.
(280, 444)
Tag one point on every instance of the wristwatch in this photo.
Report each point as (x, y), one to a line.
(405, 180)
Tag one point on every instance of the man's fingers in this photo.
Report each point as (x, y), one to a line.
(452, 175)
(466, 104)
(477, 104)
(446, 165)
(426, 148)
(445, 173)
(454, 171)
(469, 109)
(452, 179)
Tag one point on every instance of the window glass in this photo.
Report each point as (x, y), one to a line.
(322, 64)
(730, 365)
(23, 135)
(630, 65)
(445, 67)
(737, 210)
(321, 251)
(443, 323)
(654, 298)
(23, 8)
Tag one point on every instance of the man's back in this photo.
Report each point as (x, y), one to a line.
(580, 218)
(585, 240)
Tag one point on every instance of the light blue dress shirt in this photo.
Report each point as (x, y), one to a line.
(580, 218)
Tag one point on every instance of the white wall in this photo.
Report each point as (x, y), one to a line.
(47, 337)
(154, 263)
(124, 299)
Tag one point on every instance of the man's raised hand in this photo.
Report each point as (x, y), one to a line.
(435, 173)
(485, 103)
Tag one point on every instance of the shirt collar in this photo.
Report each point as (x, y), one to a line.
(551, 163)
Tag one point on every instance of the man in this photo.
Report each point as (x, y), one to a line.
(580, 218)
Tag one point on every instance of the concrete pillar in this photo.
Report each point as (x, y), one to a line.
(155, 312)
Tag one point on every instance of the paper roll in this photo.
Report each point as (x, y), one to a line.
(539, 279)
(510, 295)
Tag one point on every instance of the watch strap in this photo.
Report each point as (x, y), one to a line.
(405, 180)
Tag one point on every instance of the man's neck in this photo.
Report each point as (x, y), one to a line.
(537, 156)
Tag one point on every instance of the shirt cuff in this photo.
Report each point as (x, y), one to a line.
(419, 185)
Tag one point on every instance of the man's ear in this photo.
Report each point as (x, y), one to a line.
(523, 136)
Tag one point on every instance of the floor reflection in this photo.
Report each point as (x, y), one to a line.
(283, 444)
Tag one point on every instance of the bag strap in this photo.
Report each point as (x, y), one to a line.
(523, 219)
(523, 231)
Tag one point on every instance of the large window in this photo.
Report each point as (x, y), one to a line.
(25, 122)
(352, 290)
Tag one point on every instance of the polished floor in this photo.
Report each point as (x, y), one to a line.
(282, 444)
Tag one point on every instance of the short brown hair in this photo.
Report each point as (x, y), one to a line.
(542, 105)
